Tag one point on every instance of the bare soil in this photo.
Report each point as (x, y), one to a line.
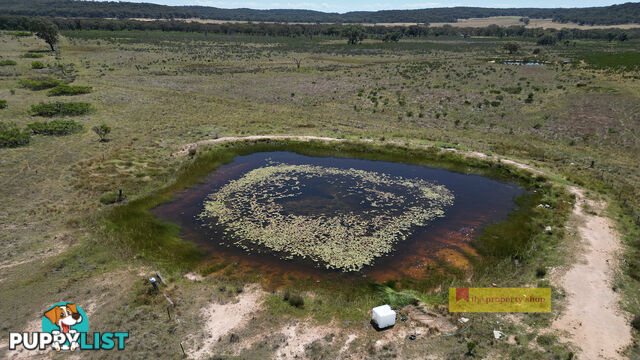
(592, 318)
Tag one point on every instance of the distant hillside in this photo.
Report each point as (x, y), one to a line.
(607, 15)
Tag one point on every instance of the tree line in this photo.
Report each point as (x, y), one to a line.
(354, 33)
(606, 15)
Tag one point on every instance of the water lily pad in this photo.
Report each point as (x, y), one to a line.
(338, 218)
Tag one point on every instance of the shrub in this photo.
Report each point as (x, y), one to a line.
(541, 272)
(109, 198)
(102, 131)
(293, 299)
(635, 323)
(37, 65)
(55, 127)
(470, 347)
(3, 104)
(7, 62)
(61, 109)
(32, 55)
(512, 90)
(398, 299)
(64, 89)
(40, 83)
(11, 136)
(511, 47)
(529, 98)
(545, 340)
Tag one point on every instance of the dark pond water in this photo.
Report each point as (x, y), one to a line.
(478, 201)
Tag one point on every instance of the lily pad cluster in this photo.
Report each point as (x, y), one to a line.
(338, 218)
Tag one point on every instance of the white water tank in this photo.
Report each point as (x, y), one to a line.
(383, 316)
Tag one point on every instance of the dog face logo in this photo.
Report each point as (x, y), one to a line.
(65, 318)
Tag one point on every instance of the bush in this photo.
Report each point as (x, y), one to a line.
(635, 323)
(64, 89)
(102, 131)
(109, 198)
(7, 62)
(55, 127)
(37, 65)
(545, 340)
(3, 104)
(293, 299)
(11, 136)
(40, 83)
(398, 299)
(61, 109)
(512, 90)
(547, 40)
(32, 55)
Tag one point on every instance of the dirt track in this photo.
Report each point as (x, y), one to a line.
(592, 317)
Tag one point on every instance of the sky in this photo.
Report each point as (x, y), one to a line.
(365, 5)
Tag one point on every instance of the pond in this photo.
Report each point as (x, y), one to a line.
(288, 213)
(526, 63)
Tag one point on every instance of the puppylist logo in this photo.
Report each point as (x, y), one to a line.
(65, 327)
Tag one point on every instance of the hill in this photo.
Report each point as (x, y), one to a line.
(606, 15)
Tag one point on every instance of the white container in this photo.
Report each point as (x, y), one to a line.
(383, 316)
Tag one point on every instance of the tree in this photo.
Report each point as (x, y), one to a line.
(45, 30)
(298, 62)
(353, 33)
(511, 47)
(525, 20)
(547, 40)
(623, 36)
(392, 36)
(102, 131)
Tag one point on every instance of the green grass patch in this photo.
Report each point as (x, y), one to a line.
(627, 61)
(11, 136)
(42, 83)
(55, 127)
(37, 65)
(3, 104)
(65, 89)
(7, 62)
(61, 109)
(18, 33)
(30, 55)
(110, 197)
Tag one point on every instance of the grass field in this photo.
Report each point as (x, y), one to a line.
(576, 118)
(534, 23)
(471, 22)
